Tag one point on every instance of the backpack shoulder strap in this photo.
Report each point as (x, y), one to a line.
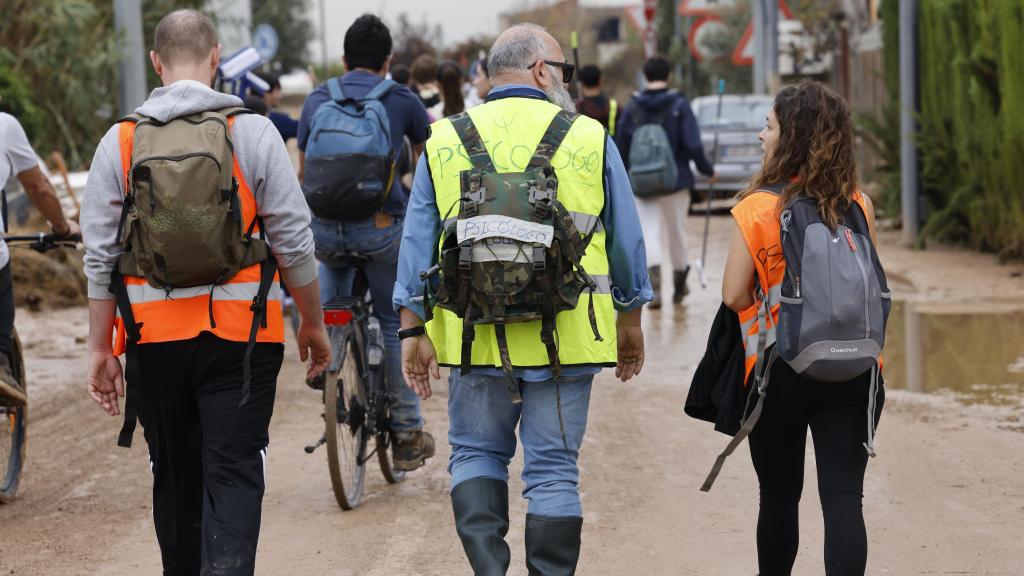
(235, 111)
(552, 138)
(776, 189)
(382, 89)
(335, 89)
(471, 141)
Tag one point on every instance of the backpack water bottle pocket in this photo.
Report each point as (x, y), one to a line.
(347, 186)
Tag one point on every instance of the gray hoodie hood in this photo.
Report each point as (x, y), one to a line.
(182, 98)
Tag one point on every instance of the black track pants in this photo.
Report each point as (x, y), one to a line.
(208, 455)
(837, 416)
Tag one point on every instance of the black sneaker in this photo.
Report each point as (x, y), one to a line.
(411, 449)
(10, 388)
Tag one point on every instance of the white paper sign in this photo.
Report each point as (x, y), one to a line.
(498, 226)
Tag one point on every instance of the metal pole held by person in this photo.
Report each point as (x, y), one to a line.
(711, 189)
(574, 41)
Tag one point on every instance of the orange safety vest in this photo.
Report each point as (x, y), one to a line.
(183, 313)
(758, 218)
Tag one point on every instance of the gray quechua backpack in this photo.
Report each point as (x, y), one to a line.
(833, 308)
(835, 301)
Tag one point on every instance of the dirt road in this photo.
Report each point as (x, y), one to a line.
(944, 496)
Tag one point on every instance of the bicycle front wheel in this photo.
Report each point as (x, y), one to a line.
(12, 432)
(345, 418)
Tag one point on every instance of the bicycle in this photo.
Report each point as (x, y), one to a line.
(14, 412)
(355, 398)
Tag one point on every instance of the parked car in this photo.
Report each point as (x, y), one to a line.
(739, 151)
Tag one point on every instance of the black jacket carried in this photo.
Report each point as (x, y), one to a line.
(717, 393)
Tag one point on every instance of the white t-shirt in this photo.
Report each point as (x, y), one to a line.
(16, 156)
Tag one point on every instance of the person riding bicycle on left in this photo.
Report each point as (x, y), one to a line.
(18, 160)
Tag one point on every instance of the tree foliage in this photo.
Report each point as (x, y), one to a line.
(59, 68)
(410, 40)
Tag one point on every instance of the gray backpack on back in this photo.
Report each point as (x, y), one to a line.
(833, 310)
(652, 162)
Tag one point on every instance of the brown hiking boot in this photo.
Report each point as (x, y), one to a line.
(10, 388)
(411, 449)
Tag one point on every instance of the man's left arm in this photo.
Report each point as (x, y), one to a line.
(627, 256)
(627, 259)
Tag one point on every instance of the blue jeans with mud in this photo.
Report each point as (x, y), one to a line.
(380, 248)
(482, 435)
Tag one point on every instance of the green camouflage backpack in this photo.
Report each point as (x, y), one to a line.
(513, 253)
(181, 225)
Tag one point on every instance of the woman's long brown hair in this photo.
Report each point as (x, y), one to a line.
(814, 151)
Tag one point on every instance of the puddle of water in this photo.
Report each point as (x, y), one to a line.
(977, 357)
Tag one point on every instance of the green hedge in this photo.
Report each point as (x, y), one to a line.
(972, 122)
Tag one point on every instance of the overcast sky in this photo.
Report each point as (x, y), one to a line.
(459, 19)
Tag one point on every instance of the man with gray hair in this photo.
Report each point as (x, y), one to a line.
(191, 207)
(521, 165)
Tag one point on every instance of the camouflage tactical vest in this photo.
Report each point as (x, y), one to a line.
(513, 254)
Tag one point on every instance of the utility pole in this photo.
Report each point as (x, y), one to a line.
(323, 41)
(758, 21)
(770, 9)
(908, 125)
(132, 86)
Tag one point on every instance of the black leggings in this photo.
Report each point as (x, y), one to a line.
(837, 416)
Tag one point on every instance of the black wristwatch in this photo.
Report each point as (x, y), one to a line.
(411, 332)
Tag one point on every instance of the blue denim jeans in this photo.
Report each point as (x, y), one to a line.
(380, 247)
(482, 434)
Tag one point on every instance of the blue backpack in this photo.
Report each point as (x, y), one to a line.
(652, 162)
(350, 165)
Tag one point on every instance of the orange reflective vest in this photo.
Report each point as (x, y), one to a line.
(758, 218)
(184, 313)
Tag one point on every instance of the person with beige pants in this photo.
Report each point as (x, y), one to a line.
(657, 104)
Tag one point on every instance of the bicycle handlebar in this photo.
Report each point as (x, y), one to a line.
(42, 242)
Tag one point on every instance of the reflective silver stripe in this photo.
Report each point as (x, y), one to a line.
(142, 293)
(604, 283)
(585, 223)
(751, 342)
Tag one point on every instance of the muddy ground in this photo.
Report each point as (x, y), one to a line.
(944, 496)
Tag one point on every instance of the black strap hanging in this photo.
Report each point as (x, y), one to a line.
(133, 332)
(268, 268)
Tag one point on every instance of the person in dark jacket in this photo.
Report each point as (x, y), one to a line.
(670, 210)
(287, 126)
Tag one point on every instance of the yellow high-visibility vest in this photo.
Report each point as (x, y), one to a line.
(510, 129)
(613, 111)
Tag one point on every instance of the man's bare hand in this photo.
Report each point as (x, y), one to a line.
(631, 345)
(106, 381)
(419, 364)
(315, 346)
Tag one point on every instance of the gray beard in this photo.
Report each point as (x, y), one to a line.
(558, 95)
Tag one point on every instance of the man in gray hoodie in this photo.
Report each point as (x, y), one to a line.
(207, 448)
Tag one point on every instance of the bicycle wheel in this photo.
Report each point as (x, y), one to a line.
(12, 432)
(384, 457)
(345, 418)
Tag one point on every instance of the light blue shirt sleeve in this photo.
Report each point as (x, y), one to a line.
(627, 256)
(422, 228)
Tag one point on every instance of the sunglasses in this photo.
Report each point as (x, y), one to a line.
(567, 69)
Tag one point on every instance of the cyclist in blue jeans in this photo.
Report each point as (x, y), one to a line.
(367, 58)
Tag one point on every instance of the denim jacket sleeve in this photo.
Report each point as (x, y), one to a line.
(627, 256)
(419, 241)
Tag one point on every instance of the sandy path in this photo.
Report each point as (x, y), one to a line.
(944, 496)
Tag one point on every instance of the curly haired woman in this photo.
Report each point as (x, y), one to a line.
(808, 145)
